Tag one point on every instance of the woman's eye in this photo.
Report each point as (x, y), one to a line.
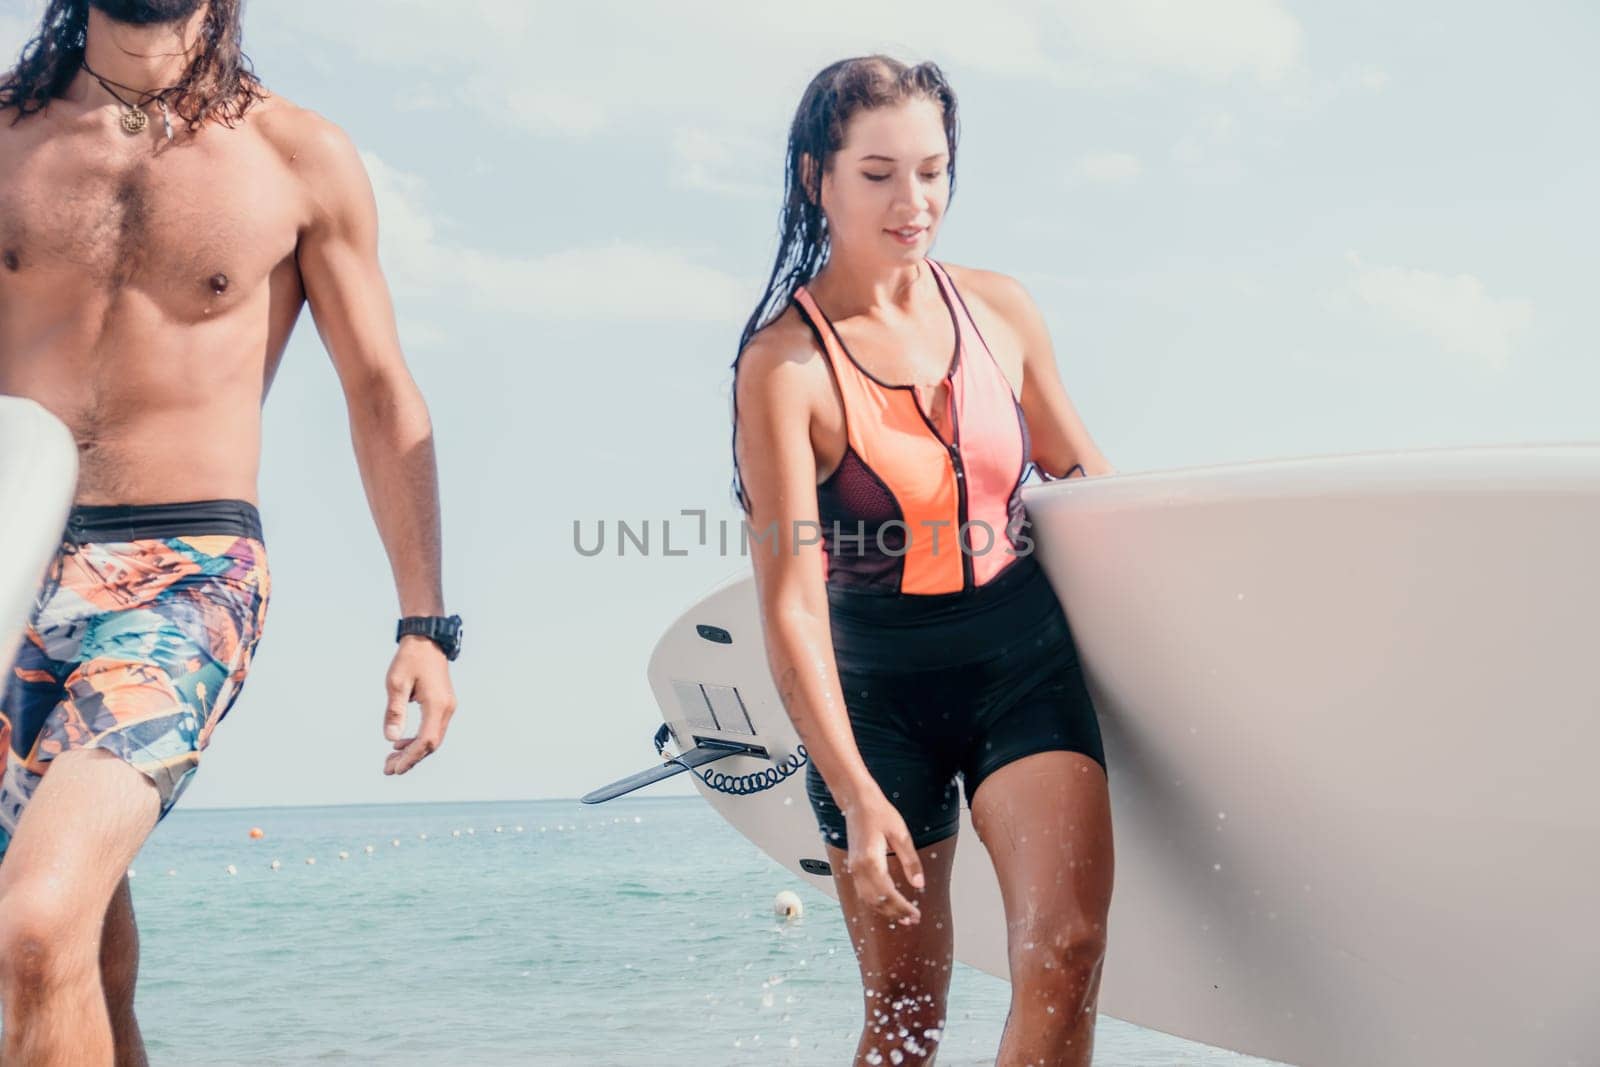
(934, 176)
(876, 177)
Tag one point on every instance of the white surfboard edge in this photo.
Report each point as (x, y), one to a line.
(1349, 721)
(38, 474)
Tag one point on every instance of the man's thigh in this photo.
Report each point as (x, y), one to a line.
(76, 838)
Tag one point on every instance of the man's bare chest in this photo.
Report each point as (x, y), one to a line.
(191, 226)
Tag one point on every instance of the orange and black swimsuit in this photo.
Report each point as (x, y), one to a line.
(954, 655)
(892, 510)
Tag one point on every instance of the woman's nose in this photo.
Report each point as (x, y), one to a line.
(912, 192)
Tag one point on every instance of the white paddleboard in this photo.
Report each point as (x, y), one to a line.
(38, 473)
(1352, 720)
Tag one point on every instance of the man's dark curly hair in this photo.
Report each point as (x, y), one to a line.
(218, 86)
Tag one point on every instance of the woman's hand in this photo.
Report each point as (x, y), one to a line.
(875, 829)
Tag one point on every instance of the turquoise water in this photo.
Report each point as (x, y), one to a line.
(638, 933)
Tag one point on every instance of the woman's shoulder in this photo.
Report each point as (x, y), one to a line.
(785, 347)
(1000, 306)
(1000, 293)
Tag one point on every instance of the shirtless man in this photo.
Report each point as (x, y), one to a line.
(162, 220)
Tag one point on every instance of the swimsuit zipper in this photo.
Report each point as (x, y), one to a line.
(967, 579)
(961, 512)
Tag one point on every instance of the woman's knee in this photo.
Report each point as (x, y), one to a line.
(1060, 965)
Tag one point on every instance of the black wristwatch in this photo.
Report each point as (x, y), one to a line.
(444, 632)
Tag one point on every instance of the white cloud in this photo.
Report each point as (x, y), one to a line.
(616, 280)
(578, 68)
(1370, 78)
(1109, 167)
(726, 163)
(1455, 310)
(1206, 148)
(538, 109)
(1216, 40)
(575, 69)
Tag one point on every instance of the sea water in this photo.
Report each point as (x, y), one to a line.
(640, 932)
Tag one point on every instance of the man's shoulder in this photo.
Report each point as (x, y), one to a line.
(300, 135)
(320, 157)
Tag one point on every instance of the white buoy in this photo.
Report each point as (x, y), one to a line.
(499, 829)
(231, 869)
(395, 842)
(311, 861)
(275, 865)
(171, 873)
(455, 833)
(368, 850)
(422, 837)
(787, 905)
(344, 855)
(519, 829)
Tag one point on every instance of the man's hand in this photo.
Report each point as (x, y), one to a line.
(419, 673)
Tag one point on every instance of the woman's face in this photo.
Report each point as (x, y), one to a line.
(886, 190)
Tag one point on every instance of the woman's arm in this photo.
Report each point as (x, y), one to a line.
(781, 383)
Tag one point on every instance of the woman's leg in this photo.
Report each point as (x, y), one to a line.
(1046, 821)
(905, 970)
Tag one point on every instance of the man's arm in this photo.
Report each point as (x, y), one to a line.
(389, 425)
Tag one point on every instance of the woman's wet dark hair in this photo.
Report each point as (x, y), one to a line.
(835, 96)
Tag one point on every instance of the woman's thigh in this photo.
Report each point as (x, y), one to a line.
(1046, 821)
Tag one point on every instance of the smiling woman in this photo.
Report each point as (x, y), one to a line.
(882, 393)
(836, 95)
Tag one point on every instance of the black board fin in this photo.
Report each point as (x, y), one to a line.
(707, 751)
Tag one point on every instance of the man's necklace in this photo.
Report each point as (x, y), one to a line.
(135, 118)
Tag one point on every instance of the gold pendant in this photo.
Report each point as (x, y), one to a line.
(134, 121)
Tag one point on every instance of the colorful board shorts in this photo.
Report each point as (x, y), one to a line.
(138, 644)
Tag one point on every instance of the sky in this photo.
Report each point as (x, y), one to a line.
(1257, 229)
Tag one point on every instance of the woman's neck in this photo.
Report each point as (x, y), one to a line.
(852, 288)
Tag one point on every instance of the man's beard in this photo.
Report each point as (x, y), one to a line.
(147, 12)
